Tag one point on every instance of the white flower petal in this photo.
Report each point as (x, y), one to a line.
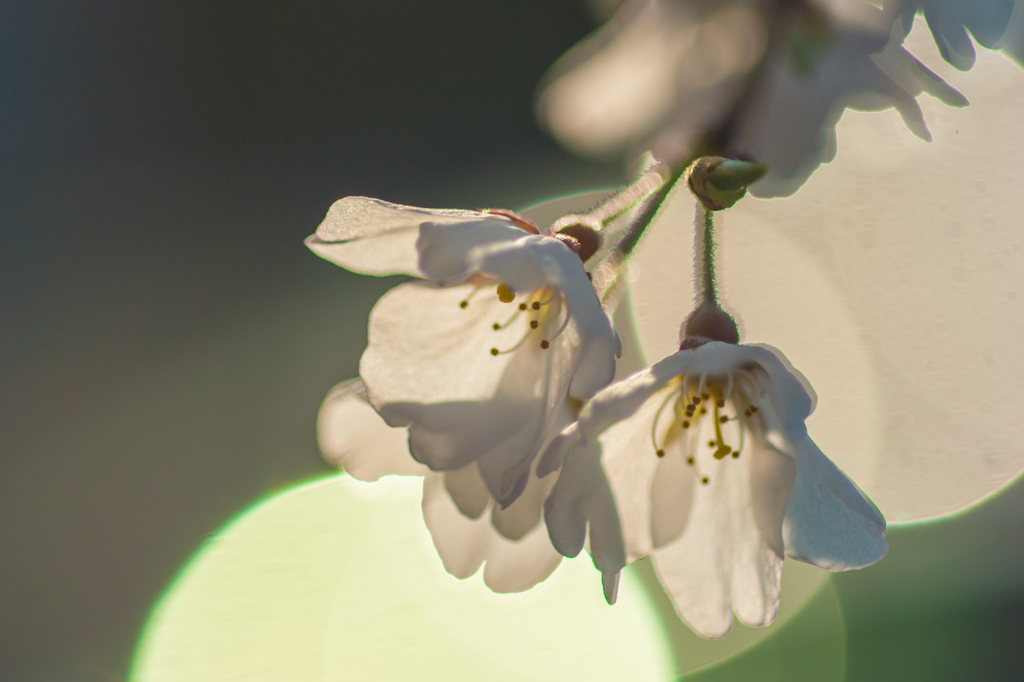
(603, 99)
(428, 366)
(462, 543)
(630, 463)
(467, 490)
(447, 251)
(791, 398)
(582, 498)
(623, 398)
(533, 262)
(518, 566)
(721, 562)
(671, 495)
(523, 514)
(564, 512)
(771, 481)
(376, 237)
(829, 523)
(465, 544)
(353, 437)
(606, 545)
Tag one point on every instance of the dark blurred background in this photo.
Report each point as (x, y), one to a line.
(166, 339)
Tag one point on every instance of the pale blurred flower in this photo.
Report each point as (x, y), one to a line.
(743, 79)
(713, 473)
(468, 529)
(480, 357)
(950, 20)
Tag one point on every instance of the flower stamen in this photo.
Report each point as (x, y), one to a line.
(654, 426)
(547, 342)
(464, 303)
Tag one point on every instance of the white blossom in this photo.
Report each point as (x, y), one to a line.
(479, 357)
(757, 82)
(468, 529)
(712, 473)
(950, 21)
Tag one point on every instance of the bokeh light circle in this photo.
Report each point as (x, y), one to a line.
(338, 580)
(893, 280)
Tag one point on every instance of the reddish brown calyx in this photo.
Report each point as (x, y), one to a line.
(586, 239)
(708, 322)
(519, 220)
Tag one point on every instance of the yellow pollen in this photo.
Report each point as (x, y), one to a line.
(505, 293)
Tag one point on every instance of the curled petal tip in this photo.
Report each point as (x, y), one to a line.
(610, 583)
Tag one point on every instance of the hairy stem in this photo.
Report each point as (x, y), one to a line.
(704, 257)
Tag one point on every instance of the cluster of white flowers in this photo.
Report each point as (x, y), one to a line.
(490, 373)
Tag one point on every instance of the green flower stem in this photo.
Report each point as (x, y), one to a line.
(704, 256)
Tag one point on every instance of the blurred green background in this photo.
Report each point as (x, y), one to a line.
(167, 339)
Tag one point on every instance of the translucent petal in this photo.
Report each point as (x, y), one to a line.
(353, 437)
(429, 366)
(465, 544)
(771, 480)
(671, 495)
(447, 251)
(533, 262)
(375, 237)
(467, 490)
(829, 523)
(721, 562)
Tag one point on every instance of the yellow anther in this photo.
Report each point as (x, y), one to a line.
(505, 293)
(522, 306)
(704, 480)
(660, 453)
